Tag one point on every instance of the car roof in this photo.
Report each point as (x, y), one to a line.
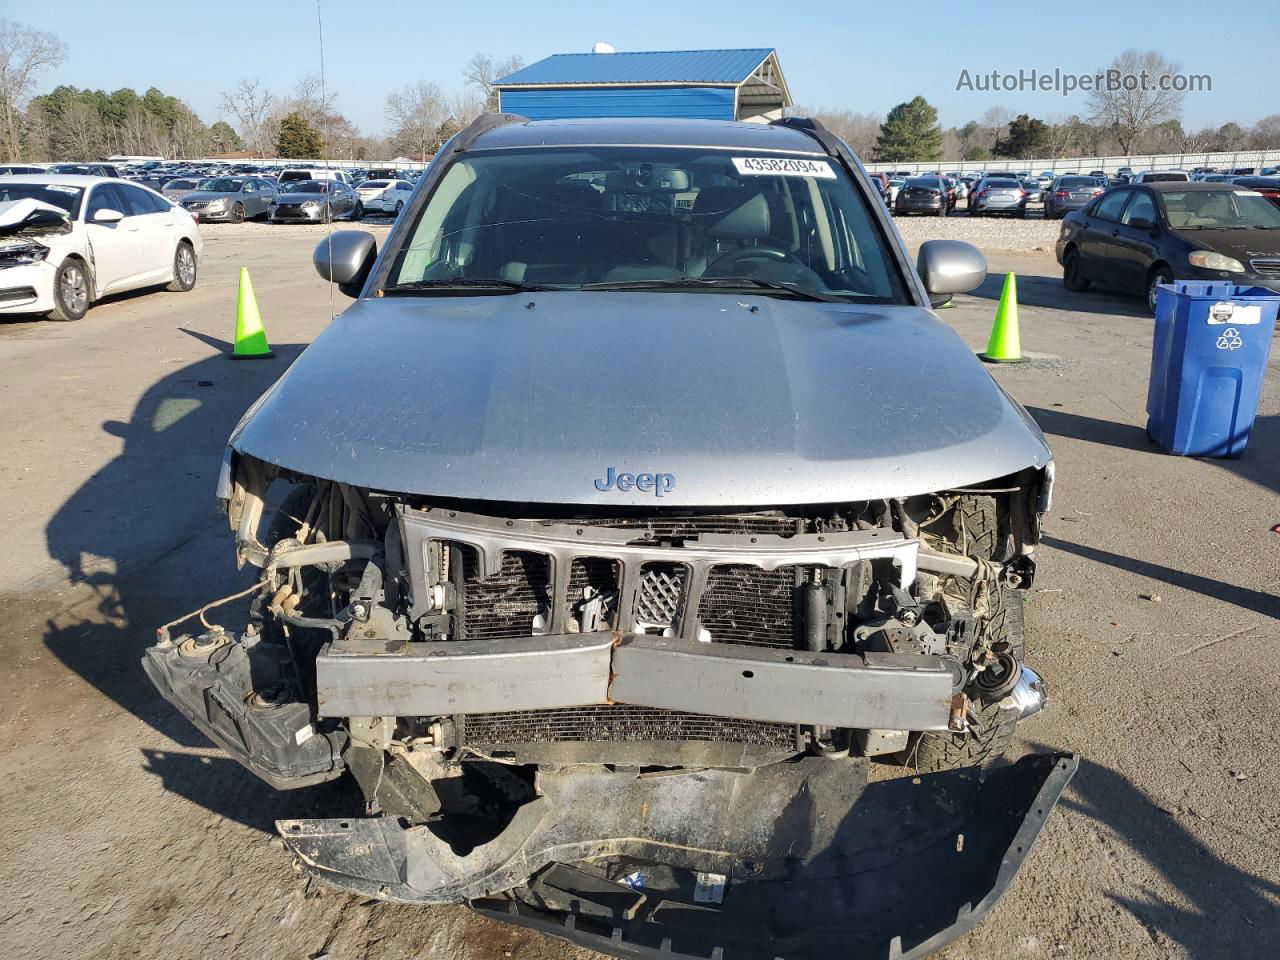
(68, 179)
(1179, 186)
(647, 131)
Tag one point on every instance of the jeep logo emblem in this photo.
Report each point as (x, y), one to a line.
(660, 484)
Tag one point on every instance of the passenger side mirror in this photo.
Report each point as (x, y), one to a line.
(948, 267)
(346, 257)
(107, 215)
(1141, 223)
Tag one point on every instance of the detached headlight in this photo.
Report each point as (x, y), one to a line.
(1214, 261)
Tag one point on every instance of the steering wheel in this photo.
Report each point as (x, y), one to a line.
(733, 257)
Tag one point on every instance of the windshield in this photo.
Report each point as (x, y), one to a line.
(1073, 183)
(1003, 183)
(1219, 210)
(373, 185)
(652, 217)
(306, 186)
(68, 198)
(221, 185)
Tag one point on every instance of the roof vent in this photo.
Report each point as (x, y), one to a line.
(603, 47)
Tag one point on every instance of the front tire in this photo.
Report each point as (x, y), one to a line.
(237, 213)
(991, 728)
(1158, 276)
(184, 269)
(70, 291)
(399, 207)
(358, 212)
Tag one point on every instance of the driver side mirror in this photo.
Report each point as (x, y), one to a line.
(107, 215)
(346, 257)
(1141, 223)
(949, 267)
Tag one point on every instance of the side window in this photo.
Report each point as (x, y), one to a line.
(1142, 207)
(139, 200)
(1109, 207)
(104, 197)
(250, 186)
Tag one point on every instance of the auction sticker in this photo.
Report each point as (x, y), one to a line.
(783, 167)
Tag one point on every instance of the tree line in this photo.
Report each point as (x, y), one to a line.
(1117, 123)
(68, 123)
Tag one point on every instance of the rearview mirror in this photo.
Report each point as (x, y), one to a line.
(346, 257)
(107, 215)
(949, 266)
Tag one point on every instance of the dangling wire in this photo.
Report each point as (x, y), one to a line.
(324, 137)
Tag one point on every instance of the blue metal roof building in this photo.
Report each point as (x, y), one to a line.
(704, 84)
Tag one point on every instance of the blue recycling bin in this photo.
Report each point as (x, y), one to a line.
(1207, 362)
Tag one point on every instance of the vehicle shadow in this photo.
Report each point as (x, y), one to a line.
(1221, 909)
(144, 533)
(1258, 464)
(1048, 293)
(222, 786)
(1243, 597)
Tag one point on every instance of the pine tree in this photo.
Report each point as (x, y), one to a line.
(910, 133)
(298, 139)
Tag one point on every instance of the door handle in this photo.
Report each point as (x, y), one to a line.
(1115, 233)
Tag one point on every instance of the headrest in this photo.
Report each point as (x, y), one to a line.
(732, 212)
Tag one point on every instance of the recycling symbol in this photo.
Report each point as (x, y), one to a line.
(1230, 339)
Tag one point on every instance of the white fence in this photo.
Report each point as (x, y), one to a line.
(1257, 159)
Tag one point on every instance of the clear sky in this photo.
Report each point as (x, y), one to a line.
(863, 57)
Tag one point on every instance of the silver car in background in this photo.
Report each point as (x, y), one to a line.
(178, 188)
(999, 194)
(234, 199)
(1070, 193)
(317, 201)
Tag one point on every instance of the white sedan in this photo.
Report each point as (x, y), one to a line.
(66, 241)
(389, 196)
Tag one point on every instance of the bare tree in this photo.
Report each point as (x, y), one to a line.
(1265, 134)
(995, 124)
(482, 71)
(309, 102)
(80, 132)
(24, 53)
(1060, 137)
(1136, 104)
(416, 113)
(250, 103)
(858, 130)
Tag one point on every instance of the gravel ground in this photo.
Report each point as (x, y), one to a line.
(1035, 234)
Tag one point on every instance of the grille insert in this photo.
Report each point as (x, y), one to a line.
(680, 527)
(614, 723)
(1266, 267)
(658, 599)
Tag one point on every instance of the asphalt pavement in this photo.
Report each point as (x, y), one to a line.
(1155, 619)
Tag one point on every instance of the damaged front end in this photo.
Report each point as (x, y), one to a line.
(647, 732)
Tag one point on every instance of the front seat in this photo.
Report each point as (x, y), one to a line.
(727, 218)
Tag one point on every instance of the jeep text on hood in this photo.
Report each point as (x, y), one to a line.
(637, 506)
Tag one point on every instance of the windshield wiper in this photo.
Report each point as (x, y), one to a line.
(466, 283)
(723, 283)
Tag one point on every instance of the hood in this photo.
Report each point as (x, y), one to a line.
(32, 218)
(740, 400)
(292, 197)
(207, 196)
(1243, 245)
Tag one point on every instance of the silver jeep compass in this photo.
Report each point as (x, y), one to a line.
(636, 511)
